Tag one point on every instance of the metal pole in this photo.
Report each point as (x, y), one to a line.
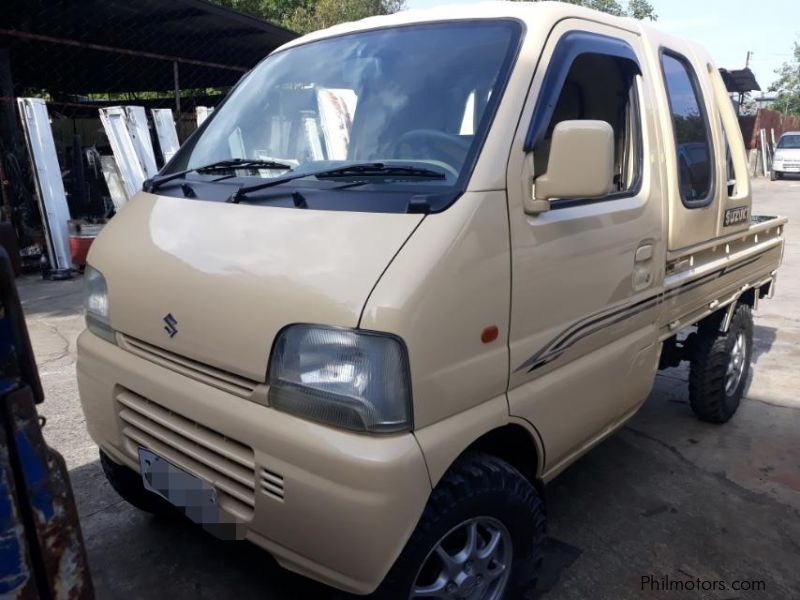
(741, 94)
(9, 133)
(176, 78)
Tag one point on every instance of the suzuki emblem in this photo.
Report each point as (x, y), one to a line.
(170, 326)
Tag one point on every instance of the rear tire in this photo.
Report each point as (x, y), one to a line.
(720, 366)
(128, 484)
(483, 490)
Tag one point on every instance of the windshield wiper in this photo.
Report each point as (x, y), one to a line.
(380, 169)
(151, 185)
(363, 169)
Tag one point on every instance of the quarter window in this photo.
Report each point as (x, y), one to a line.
(730, 172)
(690, 126)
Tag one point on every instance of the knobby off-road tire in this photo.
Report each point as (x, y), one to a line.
(481, 489)
(720, 366)
(128, 484)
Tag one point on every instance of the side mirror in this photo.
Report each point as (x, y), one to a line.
(581, 164)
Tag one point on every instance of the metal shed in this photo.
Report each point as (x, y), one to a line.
(94, 46)
(81, 55)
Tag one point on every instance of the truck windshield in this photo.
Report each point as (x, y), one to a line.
(789, 142)
(417, 96)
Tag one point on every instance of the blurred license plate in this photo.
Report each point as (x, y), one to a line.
(197, 498)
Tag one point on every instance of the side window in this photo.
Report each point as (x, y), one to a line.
(690, 126)
(601, 87)
(730, 174)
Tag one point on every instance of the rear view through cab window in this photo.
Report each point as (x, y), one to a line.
(690, 125)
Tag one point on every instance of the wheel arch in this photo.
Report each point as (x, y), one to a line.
(486, 428)
(517, 446)
(749, 297)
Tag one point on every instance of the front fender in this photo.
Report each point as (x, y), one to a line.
(443, 442)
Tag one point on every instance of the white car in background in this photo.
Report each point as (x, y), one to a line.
(787, 155)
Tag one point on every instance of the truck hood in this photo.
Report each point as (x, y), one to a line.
(232, 276)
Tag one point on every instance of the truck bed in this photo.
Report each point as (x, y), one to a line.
(704, 278)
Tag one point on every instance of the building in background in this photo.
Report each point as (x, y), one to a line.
(81, 56)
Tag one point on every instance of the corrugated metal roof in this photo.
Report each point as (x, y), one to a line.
(91, 46)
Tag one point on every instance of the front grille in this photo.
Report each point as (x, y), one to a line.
(207, 374)
(227, 464)
(272, 484)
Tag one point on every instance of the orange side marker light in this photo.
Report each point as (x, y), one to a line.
(489, 334)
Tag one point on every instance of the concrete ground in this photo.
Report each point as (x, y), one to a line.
(668, 496)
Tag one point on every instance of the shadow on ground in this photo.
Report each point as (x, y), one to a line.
(51, 298)
(133, 554)
(634, 506)
(763, 339)
(136, 555)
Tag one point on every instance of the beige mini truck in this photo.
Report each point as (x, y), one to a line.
(410, 270)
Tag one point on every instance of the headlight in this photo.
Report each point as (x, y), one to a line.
(346, 378)
(97, 305)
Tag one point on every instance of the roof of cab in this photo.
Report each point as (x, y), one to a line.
(527, 12)
(532, 14)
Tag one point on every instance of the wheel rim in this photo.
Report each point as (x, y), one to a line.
(736, 364)
(470, 562)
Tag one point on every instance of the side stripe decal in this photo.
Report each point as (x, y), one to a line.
(600, 320)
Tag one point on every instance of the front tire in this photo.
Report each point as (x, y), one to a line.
(773, 175)
(480, 537)
(720, 366)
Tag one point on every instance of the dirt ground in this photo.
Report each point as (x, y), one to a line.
(667, 496)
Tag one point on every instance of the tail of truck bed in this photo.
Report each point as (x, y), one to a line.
(705, 278)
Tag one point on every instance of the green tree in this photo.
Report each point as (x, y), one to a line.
(788, 85)
(638, 9)
(324, 13)
(308, 15)
(276, 11)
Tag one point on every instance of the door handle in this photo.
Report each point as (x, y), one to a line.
(643, 253)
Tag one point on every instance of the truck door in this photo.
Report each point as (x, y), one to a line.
(586, 273)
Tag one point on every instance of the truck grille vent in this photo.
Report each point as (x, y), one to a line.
(224, 380)
(227, 464)
(272, 484)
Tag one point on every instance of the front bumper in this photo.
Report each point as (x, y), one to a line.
(786, 166)
(332, 505)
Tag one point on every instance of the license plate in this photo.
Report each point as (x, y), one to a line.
(196, 497)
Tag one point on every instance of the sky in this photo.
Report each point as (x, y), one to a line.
(727, 29)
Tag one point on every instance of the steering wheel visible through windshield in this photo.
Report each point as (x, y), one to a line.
(419, 95)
